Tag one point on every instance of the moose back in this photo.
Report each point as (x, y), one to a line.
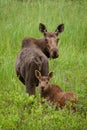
(34, 55)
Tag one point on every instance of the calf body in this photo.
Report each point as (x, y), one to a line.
(34, 55)
(54, 93)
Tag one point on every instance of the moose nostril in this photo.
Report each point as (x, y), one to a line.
(55, 54)
(42, 87)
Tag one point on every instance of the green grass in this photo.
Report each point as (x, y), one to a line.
(20, 19)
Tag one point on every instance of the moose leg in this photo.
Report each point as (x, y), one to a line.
(30, 89)
(45, 67)
(22, 79)
(30, 85)
(31, 81)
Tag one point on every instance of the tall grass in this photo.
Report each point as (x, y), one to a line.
(19, 19)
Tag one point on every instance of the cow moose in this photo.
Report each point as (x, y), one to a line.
(34, 55)
(54, 93)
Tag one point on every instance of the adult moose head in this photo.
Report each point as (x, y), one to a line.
(49, 43)
(51, 39)
(34, 55)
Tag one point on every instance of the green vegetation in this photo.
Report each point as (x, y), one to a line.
(19, 19)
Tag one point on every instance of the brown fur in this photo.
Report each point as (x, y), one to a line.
(54, 93)
(34, 55)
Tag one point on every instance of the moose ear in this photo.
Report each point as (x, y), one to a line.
(59, 29)
(42, 28)
(50, 75)
(38, 74)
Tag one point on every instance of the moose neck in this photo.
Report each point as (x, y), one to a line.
(42, 45)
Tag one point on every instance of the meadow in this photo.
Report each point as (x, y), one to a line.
(21, 18)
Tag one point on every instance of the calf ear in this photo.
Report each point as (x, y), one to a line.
(50, 75)
(38, 74)
(42, 28)
(59, 29)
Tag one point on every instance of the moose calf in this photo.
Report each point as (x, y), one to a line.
(54, 93)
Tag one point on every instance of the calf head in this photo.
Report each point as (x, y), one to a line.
(43, 81)
(51, 39)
